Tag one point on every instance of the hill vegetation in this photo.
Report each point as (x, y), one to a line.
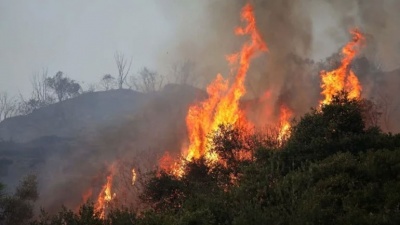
(335, 168)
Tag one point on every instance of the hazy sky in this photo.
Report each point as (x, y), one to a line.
(77, 37)
(80, 37)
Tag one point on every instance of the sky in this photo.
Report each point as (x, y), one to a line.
(80, 37)
(77, 37)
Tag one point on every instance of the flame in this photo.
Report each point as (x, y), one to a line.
(134, 175)
(169, 165)
(222, 105)
(343, 78)
(105, 195)
(284, 117)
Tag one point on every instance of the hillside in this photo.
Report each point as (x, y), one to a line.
(60, 140)
(72, 116)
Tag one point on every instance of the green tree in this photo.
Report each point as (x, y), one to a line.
(62, 86)
(18, 208)
(338, 126)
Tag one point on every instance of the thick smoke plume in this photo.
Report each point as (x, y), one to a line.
(300, 35)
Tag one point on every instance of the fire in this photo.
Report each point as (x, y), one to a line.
(168, 164)
(105, 195)
(222, 106)
(284, 123)
(134, 175)
(343, 78)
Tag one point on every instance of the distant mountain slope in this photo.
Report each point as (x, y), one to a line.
(70, 117)
(72, 141)
(88, 111)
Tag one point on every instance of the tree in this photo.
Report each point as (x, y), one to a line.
(123, 68)
(8, 106)
(163, 192)
(108, 82)
(184, 73)
(40, 96)
(40, 88)
(18, 208)
(63, 87)
(147, 81)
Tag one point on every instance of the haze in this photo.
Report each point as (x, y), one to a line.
(81, 37)
(78, 38)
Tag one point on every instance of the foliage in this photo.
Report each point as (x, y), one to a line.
(163, 191)
(62, 86)
(336, 168)
(339, 126)
(8, 106)
(18, 208)
(108, 82)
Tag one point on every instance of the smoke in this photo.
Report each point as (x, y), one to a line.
(137, 139)
(379, 20)
(299, 34)
(284, 26)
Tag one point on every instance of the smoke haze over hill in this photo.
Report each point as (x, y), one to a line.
(71, 143)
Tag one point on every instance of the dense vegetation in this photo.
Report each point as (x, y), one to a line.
(337, 167)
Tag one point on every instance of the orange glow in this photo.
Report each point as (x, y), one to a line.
(284, 123)
(343, 78)
(169, 165)
(105, 195)
(134, 175)
(200, 120)
(222, 105)
(87, 195)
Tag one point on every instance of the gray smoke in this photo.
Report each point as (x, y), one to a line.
(299, 34)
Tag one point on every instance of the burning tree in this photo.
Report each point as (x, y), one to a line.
(222, 106)
(343, 78)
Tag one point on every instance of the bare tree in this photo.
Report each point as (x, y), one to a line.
(107, 82)
(40, 88)
(123, 68)
(184, 72)
(40, 95)
(147, 81)
(8, 106)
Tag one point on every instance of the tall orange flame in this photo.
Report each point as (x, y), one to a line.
(134, 175)
(105, 195)
(284, 123)
(343, 78)
(222, 106)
